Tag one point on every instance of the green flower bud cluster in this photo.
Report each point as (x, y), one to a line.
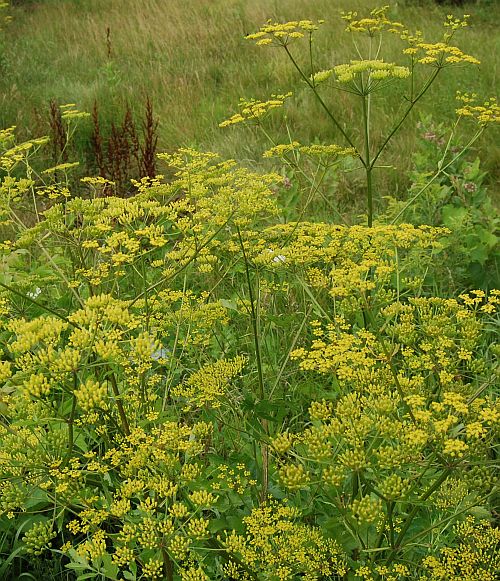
(294, 476)
(38, 538)
(480, 478)
(12, 497)
(366, 510)
(67, 360)
(318, 447)
(56, 442)
(354, 459)
(394, 487)
(37, 385)
(282, 443)
(91, 395)
(333, 475)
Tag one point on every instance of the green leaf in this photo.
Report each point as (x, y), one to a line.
(110, 569)
(487, 237)
(228, 304)
(268, 409)
(454, 217)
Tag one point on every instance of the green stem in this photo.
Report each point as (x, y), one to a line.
(44, 307)
(119, 404)
(71, 422)
(390, 510)
(167, 565)
(409, 519)
(262, 394)
(368, 163)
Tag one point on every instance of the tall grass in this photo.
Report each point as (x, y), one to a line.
(193, 62)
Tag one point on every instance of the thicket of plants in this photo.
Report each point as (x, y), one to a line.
(201, 380)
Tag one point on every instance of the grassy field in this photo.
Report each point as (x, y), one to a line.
(192, 60)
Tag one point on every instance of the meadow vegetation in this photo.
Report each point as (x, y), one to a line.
(192, 60)
(258, 370)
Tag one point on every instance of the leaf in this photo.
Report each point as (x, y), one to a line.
(487, 237)
(480, 512)
(268, 409)
(454, 217)
(37, 500)
(110, 568)
(228, 304)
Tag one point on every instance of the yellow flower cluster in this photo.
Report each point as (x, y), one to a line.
(439, 54)
(488, 112)
(375, 23)
(194, 574)
(183, 316)
(396, 572)
(282, 33)
(254, 109)
(383, 420)
(69, 112)
(12, 190)
(274, 544)
(30, 335)
(61, 167)
(326, 152)
(456, 23)
(348, 260)
(12, 153)
(155, 512)
(208, 385)
(281, 149)
(474, 557)
(164, 227)
(377, 70)
(220, 190)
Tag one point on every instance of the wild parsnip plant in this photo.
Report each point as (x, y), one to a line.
(367, 78)
(194, 388)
